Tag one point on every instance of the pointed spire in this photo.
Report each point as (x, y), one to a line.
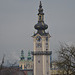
(40, 9)
(22, 55)
(29, 56)
(40, 6)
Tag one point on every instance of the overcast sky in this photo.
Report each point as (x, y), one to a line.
(17, 20)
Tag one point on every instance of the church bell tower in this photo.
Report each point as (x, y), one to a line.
(41, 51)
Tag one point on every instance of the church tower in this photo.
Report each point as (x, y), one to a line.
(41, 51)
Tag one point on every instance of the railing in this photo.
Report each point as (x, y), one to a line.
(41, 52)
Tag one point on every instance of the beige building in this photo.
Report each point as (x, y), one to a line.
(26, 64)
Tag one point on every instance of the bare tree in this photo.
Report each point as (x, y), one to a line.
(12, 64)
(2, 61)
(66, 59)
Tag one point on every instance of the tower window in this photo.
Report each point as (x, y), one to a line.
(46, 43)
(42, 18)
(47, 73)
(47, 61)
(24, 66)
(46, 49)
(38, 61)
(46, 38)
(21, 66)
(39, 17)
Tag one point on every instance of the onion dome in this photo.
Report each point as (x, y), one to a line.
(40, 25)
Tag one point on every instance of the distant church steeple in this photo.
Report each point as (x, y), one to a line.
(22, 55)
(29, 56)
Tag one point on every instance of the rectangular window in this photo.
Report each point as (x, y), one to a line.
(47, 73)
(24, 67)
(46, 49)
(46, 43)
(38, 61)
(47, 61)
(21, 66)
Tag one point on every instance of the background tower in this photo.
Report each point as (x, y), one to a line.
(22, 55)
(41, 51)
(29, 58)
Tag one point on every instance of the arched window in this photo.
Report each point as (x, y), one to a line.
(39, 17)
(21, 66)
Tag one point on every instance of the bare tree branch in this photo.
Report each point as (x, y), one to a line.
(66, 59)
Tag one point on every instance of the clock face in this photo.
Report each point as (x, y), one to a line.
(38, 38)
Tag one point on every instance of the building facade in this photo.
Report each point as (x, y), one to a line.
(26, 64)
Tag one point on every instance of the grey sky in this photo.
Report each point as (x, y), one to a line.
(17, 20)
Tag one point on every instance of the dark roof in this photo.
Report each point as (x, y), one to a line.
(41, 26)
(41, 33)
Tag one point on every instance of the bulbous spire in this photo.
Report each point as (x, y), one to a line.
(40, 26)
